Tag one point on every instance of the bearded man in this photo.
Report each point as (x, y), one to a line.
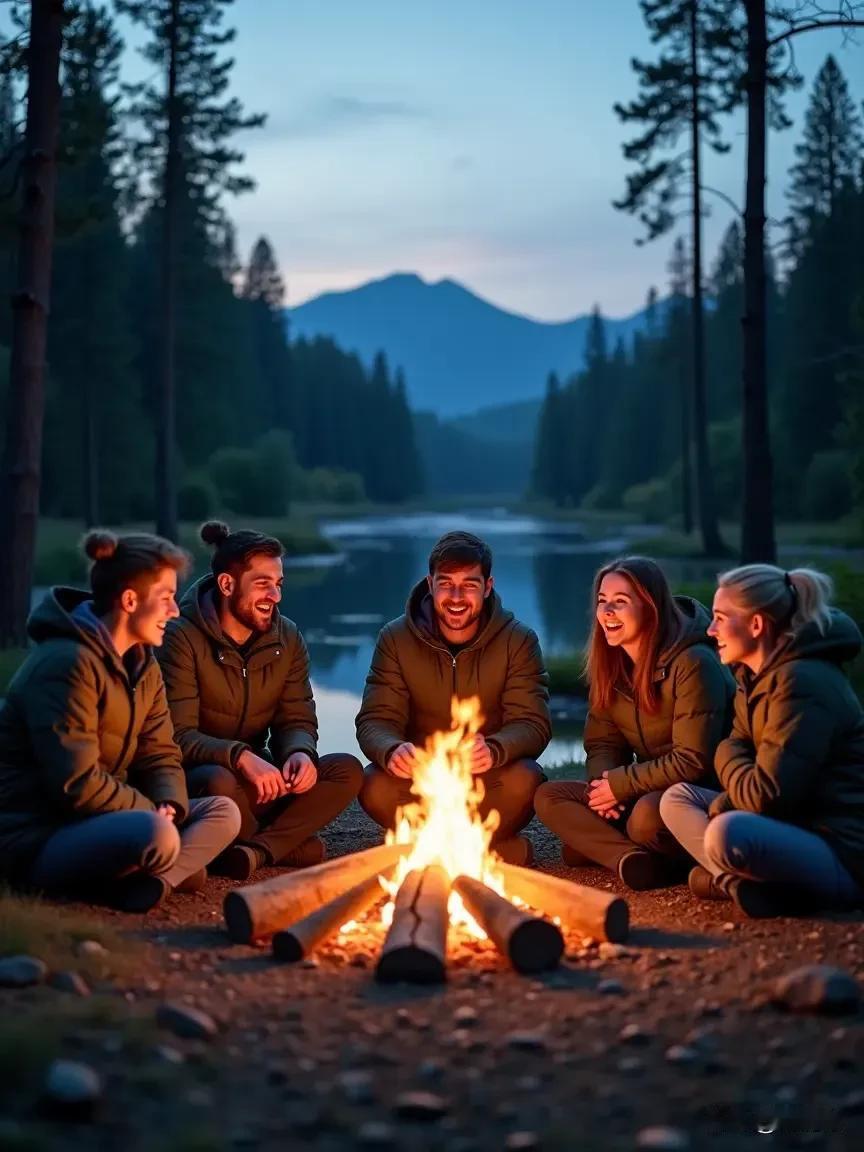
(456, 639)
(237, 679)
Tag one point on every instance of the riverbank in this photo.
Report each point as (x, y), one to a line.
(674, 1030)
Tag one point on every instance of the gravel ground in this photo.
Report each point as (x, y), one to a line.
(669, 1042)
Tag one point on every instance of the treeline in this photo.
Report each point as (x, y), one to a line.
(618, 435)
(258, 421)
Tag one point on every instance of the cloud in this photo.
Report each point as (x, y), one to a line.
(336, 115)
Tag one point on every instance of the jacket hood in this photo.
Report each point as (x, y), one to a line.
(420, 614)
(67, 613)
(840, 643)
(198, 605)
(694, 631)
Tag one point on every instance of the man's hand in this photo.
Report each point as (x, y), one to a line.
(264, 777)
(601, 798)
(482, 756)
(299, 773)
(401, 762)
(168, 811)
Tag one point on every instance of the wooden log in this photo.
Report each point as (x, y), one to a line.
(301, 939)
(530, 943)
(258, 910)
(415, 949)
(599, 914)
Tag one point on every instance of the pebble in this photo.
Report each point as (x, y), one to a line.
(610, 988)
(22, 971)
(682, 1055)
(190, 1023)
(522, 1141)
(420, 1106)
(465, 1016)
(661, 1139)
(168, 1055)
(729, 926)
(375, 1134)
(72, 1090)
(634, 1034)
(358, 1086)
(431, 1070)
(528, 1041)
(92, 948)
(630, 1066)
(818, 988)
(609, 951)
(69, 981)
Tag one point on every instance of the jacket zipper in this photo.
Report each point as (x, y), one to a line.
(243, 711)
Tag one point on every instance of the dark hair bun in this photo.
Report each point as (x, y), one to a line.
(99, 544)
(214, 532)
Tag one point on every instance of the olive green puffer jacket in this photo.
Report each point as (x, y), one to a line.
(222, 701)
(414, 676)
(648, 752)
(796, 750)
(79, 735)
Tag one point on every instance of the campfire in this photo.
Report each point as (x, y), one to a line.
(440, 873)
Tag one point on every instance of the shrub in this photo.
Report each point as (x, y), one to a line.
(197, 498)
(827, 491)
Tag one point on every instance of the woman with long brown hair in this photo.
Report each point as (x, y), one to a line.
(659, 704)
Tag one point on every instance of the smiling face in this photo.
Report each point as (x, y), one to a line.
(739, 634)
(253, 597)
(148, 612)
(457, 596)
(621, 615)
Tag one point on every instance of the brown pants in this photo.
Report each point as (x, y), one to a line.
(279, 827)
(562, 805)
(509, 789)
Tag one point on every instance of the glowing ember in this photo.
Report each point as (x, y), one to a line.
(444, 826)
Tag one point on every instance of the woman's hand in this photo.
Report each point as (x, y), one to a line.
(601, 798)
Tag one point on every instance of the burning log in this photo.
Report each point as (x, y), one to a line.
(530, 943)
(301, 939)
(598, 914)
(415, 949)
(258, 910)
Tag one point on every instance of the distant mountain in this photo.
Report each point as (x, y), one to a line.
(459, 353)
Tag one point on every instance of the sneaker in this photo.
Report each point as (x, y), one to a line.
(515, 850)
(305, 855)
(193, 883)
(704, 885)
(574, 858)
(139, 892)
(238, 862)
(641, 870)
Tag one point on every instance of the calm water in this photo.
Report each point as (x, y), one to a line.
(543, 572)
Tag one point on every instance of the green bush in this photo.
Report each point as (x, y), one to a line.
(256, 481)
(827, 492)
(197, 498)
(565, 675)
(650, 501)
(331, 486)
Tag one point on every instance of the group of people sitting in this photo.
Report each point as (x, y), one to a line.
(143, 743)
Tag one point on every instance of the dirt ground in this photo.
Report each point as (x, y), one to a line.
(674, 1031)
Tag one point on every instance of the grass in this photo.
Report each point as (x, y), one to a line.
(53, 933)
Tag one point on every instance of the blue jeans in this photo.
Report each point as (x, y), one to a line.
(100, 849)
(756, 847)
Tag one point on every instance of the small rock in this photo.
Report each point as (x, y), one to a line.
(661, 1139)
(376, 1134)
(69, 981)
(420, 1106)
(169, 1055)
(310, 962)
(608, 951)
(818, 988)
(633, 1034)
(529, 1083)
(431, 1070)
(189, 1023)
(682, 1055)
(72, 1090)
(528, 1041)
(358, 1086)
(465, 1016)
(631, 1066)
(729, 926)
(21, 971)
(522, 1141)
(92, 948)
(610, 988)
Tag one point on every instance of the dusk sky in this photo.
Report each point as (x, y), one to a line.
(472, 139)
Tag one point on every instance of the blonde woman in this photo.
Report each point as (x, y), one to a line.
(787, 832)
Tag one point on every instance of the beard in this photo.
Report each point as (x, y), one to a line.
(242, 608)
(457, 623)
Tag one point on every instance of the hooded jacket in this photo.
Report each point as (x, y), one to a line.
(645, 752)
(796, 750)
(80, 734)
(223, 702)
(414, 676)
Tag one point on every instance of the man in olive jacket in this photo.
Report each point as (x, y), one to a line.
(456, 639)
(237, 678)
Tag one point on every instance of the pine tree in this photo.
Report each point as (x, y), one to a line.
(265, 291)
(723, 327)
(184, 151)
(549, 471)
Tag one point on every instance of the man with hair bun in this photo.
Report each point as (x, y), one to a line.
(93, 800)
(237, 678)
(457, 639)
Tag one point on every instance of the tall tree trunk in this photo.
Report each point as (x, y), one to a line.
(22, 452)
(757, 513)
(686, 447)
(711, 541)
(166, 448)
